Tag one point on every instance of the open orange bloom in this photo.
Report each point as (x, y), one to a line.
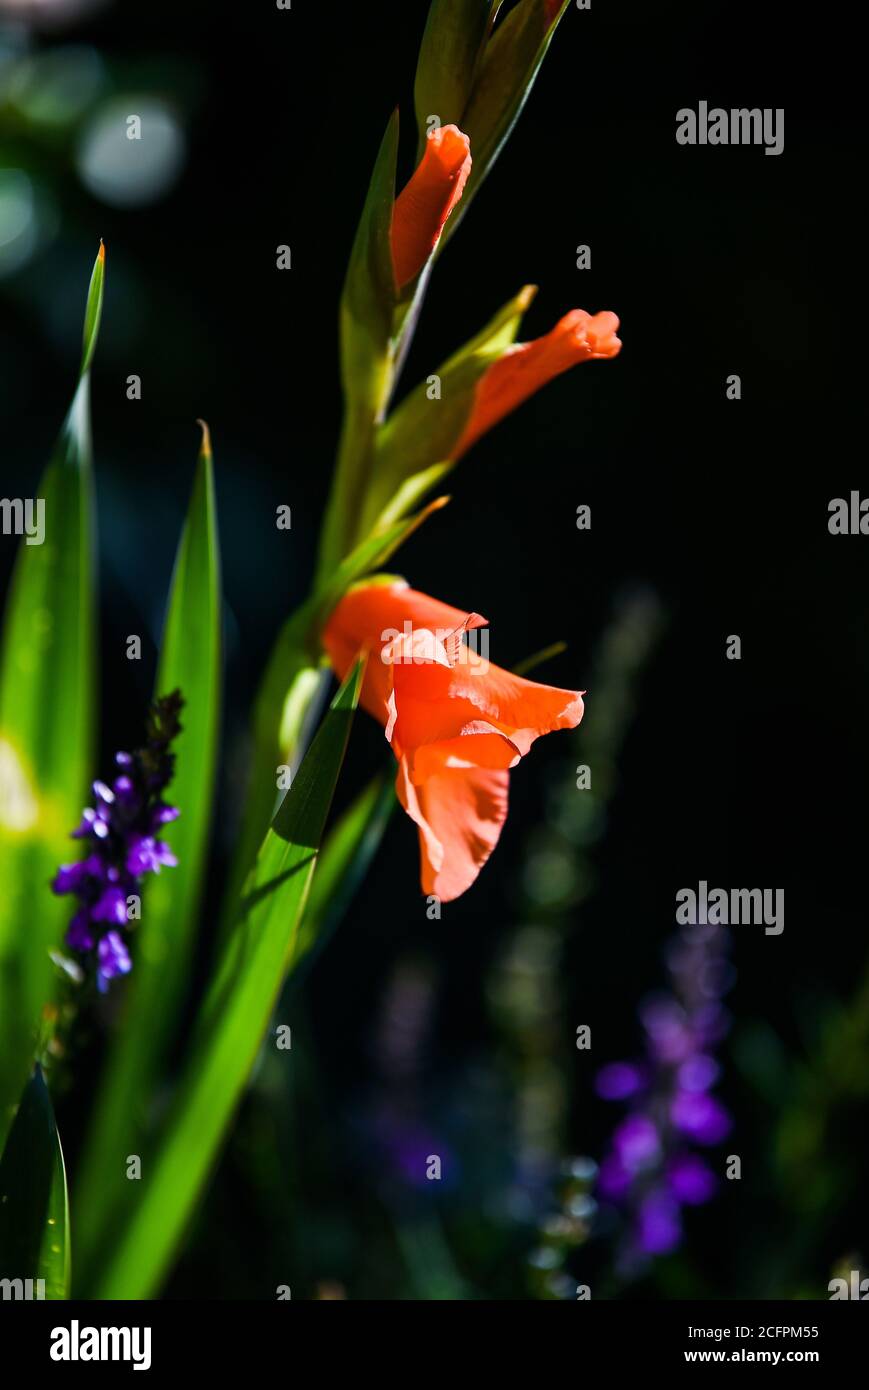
(455, 722)
(423, 206)
(525, 367)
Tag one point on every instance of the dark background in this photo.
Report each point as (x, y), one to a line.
(717, 261)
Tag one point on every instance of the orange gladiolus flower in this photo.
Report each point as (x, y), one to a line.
(455, 722)
(423, 206)
(524, 368)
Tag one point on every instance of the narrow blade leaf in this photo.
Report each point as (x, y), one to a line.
(343, 863)
(34, 1212)
(190, 660)
(46, 724)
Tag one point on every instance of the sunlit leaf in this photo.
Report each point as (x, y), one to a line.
(508, 66)
(416, 445)
(366, 330)
(453, 39)
(46, 724)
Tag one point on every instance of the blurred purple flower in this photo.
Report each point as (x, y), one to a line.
(648, 1171)
(659, 1223)
(690, 1180)
(619, 1081)
(120, 830)
(702, 1117)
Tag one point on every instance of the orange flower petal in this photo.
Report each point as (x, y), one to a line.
(523, 709)
(524, 368)
(425, 203)
(456, 722)
(459, 812)
(371, 616)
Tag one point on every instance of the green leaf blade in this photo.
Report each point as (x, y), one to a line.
(34, 1210)
(343, 863)
(190, 660)
(506, 72)
(47, 699)
(454, 35)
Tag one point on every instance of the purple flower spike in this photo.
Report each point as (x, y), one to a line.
(120, 831)
(649, 1171)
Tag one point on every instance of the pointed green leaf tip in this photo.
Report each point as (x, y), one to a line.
(34, 1213)
(94, 310)
(205, 446)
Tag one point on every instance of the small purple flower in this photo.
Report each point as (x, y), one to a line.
(613, 1179)
(80, 934)
(690, 1180)
(125, 790)
(110, 906)
(659, 1224)
(145, 855)
(113, 959)
(637, 1143)
(120, 828)
(699, 1072)
(700, 1116)
(619, 1081)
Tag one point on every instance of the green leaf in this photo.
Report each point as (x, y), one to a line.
(34, 1213)
(504, 77)
(369, 288)
(453, 40)
(366, 329)
(344, 861)
(93, 311)
(46, 726)
(190, 660)
(522, 668)
(232, 1023)
(417, 444)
